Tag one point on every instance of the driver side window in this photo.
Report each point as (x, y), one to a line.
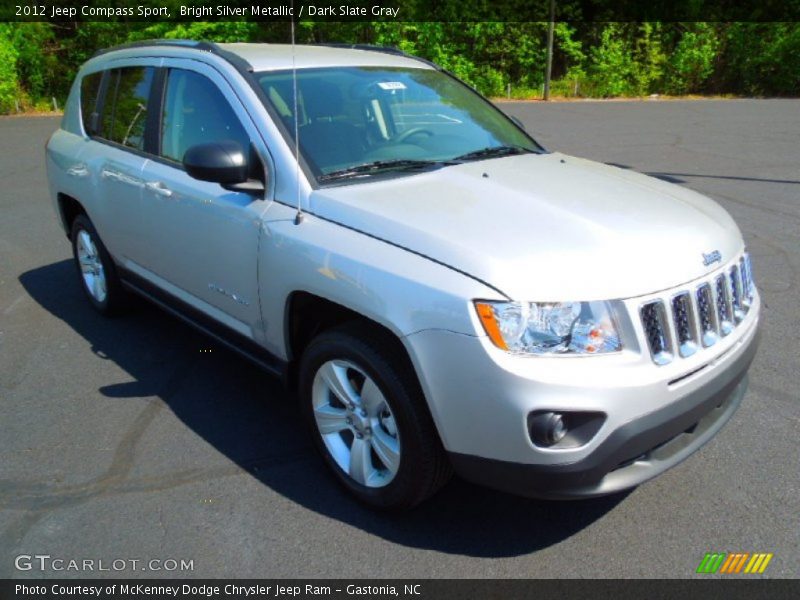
(196, 112)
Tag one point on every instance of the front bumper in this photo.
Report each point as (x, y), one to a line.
(630, 455)
(650, 426)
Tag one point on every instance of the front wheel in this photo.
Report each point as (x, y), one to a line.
(96, 269)
(369, 419)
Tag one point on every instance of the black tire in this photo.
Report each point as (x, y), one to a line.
(423, 465)
(114, 301)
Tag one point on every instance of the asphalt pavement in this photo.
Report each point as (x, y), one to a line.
(138, 439)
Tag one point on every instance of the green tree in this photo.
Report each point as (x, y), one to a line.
(40, 60)
(213, 31)
(691, 63)
(611, 63)
(9, 87)
(570, 49)
(761, 59)
(627, 61)
(647, 59)
(37, 60)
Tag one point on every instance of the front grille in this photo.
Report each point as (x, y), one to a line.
(700, 316)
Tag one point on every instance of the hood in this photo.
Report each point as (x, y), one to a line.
(543, 227)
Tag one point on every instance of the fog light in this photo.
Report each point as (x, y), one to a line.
(558, 428)
(547, 429)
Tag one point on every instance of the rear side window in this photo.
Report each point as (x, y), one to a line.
(125, 107)
(196, 112)
(90, 86)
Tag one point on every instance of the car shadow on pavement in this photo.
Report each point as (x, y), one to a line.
(248, 417)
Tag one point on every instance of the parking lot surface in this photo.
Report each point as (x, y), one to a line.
(138, 439)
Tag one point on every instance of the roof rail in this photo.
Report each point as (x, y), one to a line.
(207, 46)
(241, 63)
(236, 60)
(365, 47)
(373, 48)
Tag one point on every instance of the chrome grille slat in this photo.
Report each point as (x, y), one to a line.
(723, 302)
(685, 329)
(747, 280)
(693, 319)
(736, 293)
(656, 328)
(707, 315)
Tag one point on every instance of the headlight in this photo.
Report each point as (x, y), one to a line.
(550, 328)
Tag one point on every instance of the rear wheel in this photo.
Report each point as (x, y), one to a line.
(369, 419)
(96, 269)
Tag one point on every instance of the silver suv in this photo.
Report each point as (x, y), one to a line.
(441, 292)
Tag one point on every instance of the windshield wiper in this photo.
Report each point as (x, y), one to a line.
(494, 151)
(382, 165)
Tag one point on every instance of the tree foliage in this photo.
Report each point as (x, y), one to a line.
(692, 61)
(9, 86)
(39, 60)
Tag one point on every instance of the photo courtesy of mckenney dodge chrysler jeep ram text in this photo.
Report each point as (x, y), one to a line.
(440, 292)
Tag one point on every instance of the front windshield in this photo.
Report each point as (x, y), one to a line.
(354, 120)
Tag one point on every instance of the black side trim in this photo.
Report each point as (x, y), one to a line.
(100, 105)
(152, 131)
(580, 478)
(202, 322)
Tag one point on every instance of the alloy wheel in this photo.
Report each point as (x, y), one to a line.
(91, 265)
(356, 423)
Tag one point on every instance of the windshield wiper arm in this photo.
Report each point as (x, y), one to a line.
(382, 165)
(494, 151)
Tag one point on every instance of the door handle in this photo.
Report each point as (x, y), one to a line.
(158, 188)
(78, 170)
(121, 177)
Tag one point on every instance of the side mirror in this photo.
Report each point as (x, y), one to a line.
(222, 162)
(219, 162)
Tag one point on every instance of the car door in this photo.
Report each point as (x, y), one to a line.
(201, 240)
(115, 156)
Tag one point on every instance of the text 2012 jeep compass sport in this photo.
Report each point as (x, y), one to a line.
(444, 293)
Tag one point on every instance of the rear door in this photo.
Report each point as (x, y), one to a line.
(116, 155)
(200, 241)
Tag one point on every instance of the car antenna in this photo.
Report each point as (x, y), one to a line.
(298, 218)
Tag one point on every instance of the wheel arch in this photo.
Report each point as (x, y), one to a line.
(69, 208)
(390, 350)
(307, 315)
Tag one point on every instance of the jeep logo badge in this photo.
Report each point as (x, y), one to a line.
(712, 257)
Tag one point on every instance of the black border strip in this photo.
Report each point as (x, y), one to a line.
(412, 11)
(707, 587)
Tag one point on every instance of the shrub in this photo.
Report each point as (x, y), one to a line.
(692, 62)
(9, 86)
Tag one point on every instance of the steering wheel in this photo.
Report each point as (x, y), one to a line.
(399, 139)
